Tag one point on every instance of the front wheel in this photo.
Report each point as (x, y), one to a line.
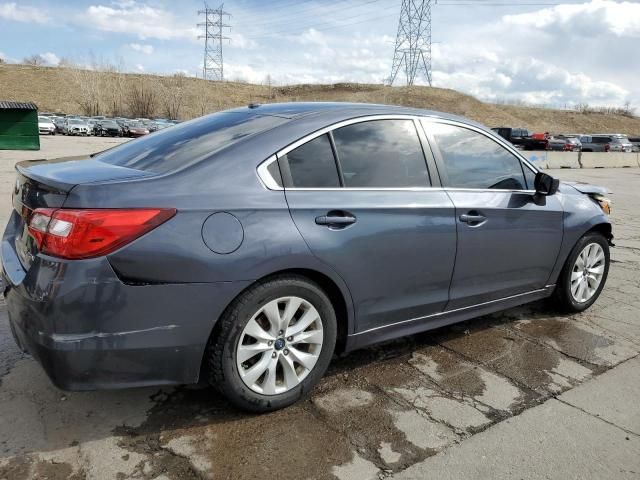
(584, 273)
(273, 344)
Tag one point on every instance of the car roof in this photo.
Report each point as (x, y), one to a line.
(340, 110)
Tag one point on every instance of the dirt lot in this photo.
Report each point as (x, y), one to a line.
(520, 394)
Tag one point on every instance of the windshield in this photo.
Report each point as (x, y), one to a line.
(75, 122)
(109, 124)
(169, 149)
(44, 119)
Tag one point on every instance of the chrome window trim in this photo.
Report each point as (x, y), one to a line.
(270, 183)
(265, 177)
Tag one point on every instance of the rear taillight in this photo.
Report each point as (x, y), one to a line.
(88, 233)
(607, 147)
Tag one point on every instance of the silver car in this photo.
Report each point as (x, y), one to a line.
(618, 143)
(46, 126)
(76, 126)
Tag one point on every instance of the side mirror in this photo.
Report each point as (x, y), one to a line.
(546, 184)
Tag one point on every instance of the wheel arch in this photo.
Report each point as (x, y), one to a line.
(338, 295)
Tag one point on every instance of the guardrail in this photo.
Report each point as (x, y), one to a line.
(549, 160)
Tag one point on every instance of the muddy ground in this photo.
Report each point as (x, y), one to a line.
(377, 412)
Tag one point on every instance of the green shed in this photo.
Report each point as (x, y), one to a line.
(19, 126)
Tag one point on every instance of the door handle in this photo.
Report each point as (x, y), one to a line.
(332, 219)
(473, 218)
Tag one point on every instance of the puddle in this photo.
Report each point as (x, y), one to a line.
(579, 340)
(522, 361)
(463, 379)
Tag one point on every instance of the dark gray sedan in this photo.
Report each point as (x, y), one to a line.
(247, 246)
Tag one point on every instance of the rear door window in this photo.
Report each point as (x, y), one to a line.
(381, 154)
(311, 165)
(472, 160)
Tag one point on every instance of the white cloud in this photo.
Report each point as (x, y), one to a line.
(146, 49)
(12, 11)
(138, 19)
(51, 58)
(588, 19)
(240, 41)
(140, 67)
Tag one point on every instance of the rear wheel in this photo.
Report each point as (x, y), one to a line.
(273, 344)
(584, 273)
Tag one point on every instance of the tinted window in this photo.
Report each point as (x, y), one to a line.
(472, 160)
(190, 142)
(311, 165)
(381, 153)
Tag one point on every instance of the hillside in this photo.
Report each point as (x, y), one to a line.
(66, 90)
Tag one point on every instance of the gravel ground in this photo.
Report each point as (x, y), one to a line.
(519, 394)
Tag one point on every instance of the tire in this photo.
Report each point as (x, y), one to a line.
(564, 296)
(235, 380)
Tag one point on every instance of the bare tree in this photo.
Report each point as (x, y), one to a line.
(34, 60)
(115, 88)
(142, 98)
(173, 93)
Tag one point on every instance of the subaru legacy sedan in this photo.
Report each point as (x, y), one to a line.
(246, 247)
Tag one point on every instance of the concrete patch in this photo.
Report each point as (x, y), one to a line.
(189, 447)
(344, 399)
(387, 454)
(421, 431)
(460, 415)
(356, 469)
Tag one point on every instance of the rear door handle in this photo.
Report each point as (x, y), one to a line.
(473, 218)
(334, 220)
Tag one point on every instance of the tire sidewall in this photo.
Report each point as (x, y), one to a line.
(234, 387)
(566, 277)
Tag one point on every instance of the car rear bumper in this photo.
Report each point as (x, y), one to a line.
(90, 330)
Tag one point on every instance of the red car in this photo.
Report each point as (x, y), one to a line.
(135, 129)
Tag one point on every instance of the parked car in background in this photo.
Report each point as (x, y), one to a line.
(591, 143)
(76, 126)
(246, 247)
(635, 141)
(134, 129)
(46, 125)
(92, 125)
(59, 123)
(108, 128)
(564, 144)
(521, 138)
(619, 142)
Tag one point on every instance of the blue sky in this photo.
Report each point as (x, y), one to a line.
(535, 51)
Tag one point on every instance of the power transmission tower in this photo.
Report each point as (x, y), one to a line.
(213, 67)
(413, 42)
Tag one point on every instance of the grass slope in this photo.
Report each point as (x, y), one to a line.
(54, 89)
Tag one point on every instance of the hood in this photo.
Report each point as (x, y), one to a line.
(587, 188)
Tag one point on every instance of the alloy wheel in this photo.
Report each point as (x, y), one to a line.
(280, 345)
(587, 272)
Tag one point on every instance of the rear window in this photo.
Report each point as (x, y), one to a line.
(187, 143)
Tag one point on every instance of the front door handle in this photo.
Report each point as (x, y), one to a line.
(336, 219)
(473, 218)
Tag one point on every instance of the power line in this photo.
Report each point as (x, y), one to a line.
(323, 25)
(412, 52)
(213, 66)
